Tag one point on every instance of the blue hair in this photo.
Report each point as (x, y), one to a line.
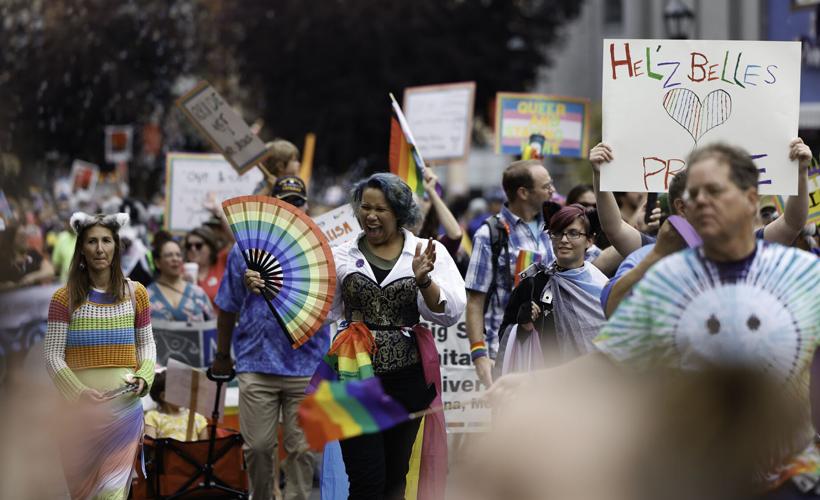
(396, 192)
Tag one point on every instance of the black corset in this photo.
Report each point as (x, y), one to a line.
(384, 311)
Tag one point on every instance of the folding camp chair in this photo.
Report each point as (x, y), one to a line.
(213, 468)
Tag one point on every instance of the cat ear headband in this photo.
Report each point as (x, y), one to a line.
(81, 220)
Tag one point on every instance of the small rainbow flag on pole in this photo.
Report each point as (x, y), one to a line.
(342, 410)
(405, 158)
(526, 258)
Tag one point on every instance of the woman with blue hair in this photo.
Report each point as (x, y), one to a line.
(387, 280)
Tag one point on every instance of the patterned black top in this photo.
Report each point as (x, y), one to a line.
(385, 310)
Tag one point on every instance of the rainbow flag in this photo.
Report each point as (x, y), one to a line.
(342, 410)
(405, 159)
(526, 258)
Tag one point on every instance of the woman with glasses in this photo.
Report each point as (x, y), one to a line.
(554, 312)
(202, 248)
(173, 298)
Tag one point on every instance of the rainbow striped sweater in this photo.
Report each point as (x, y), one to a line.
(100, 333)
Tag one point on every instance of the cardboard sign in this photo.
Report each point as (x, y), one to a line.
(189, 387)
(223, 126)
(84, 176)
(563, 121)
(194, 180)
(118, 143)
(664, 98)
(339, 225)
(193, 344)
(465, 410)
(441, 118)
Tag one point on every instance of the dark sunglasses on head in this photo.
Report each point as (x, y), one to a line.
(198, 245)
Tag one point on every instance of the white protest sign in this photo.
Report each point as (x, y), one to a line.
(441, 118)
(189, 387)
(664, 98)
(192, 180)
(339, 225)
(84, 176)
(223, 126)
(464, 408)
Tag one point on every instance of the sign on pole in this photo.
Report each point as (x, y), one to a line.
(189, 387)
(441, 118)
(118, 143)
(193, 181)
(664, 98)
(563, 121)
(223, 127)
(84, 176)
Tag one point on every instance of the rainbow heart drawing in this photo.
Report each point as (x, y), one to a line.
(685, 107)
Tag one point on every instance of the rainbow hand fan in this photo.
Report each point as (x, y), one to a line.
(293, 256)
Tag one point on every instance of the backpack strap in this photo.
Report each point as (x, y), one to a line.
(132, 294)
(499, 239)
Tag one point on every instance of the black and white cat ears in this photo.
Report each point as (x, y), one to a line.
(81, 220)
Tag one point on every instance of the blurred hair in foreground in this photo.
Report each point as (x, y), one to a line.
(599, 432)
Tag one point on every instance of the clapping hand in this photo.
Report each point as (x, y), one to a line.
(423, 262)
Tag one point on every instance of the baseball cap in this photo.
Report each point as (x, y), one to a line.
(290, 188)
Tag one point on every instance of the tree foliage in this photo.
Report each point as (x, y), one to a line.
(328, 67)
(70, 67)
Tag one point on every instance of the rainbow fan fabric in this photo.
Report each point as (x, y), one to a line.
(293, 256)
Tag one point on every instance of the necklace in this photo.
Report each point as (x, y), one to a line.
(171, 287)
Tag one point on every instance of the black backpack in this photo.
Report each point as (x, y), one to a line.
(499, 239)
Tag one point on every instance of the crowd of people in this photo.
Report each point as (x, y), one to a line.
(547, 284)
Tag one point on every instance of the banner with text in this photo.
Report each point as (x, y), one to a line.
(193, 344)
(664, 98)
(441, 118)
(193, 181)
(563, 121)
(465, 410)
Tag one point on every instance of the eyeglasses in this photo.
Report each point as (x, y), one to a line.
(572, 234)
(198, 245)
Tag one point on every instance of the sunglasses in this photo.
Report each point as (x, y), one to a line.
(198, 245)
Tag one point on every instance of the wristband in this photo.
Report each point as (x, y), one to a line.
(426, 284)
(478, 350)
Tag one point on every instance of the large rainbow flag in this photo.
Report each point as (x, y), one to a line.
(342, 410)
(405, 158)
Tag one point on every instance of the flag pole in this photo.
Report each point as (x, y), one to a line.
(408, 135)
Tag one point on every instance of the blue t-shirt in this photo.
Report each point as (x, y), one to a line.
(259, 343)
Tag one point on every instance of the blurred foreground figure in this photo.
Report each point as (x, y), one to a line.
(591, 430)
